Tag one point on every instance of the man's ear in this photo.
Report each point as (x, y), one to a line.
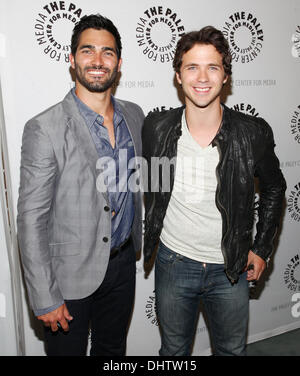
(178, 78)
(72, 61)
(120, 64)
(225, 79)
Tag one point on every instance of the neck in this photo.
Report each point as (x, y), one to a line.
(203, 123)
(204, 118)
(99, 102)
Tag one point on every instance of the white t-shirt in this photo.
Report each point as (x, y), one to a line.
(193, 224)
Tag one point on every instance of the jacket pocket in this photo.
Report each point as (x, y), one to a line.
(64, 249)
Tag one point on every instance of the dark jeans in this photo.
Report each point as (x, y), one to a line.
(180, 283)
(107, 312)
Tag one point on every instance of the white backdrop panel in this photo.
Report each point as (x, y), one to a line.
(35, 75)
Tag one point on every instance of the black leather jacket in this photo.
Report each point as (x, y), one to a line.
(246, 148)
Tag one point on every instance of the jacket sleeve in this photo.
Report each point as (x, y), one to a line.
(149, 196)
(37, 187)
(272, 187)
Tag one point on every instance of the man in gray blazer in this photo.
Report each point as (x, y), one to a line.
(79, 223)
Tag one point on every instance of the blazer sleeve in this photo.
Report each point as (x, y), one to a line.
(37, 187)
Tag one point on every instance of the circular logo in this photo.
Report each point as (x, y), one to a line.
(245, 108)
(245, 36)
(296, 43)
(157, 33)
(150, 310)
(292, 274)
(293, 203)
(295, 125)
(53, 29)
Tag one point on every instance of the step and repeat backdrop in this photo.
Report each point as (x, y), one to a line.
(264, 37)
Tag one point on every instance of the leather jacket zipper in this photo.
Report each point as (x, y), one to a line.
(222, 211)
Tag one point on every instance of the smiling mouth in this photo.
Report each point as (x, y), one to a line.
(202, 89)
(96, 73)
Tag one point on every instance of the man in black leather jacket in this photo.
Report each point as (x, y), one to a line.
(201, 212)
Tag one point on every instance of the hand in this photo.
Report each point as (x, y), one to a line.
(60, 314)
(259, 266)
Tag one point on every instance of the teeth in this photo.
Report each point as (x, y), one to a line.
(98, 73)
(201, 90)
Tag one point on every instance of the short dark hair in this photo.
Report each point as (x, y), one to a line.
(98, 22)
(207, 35)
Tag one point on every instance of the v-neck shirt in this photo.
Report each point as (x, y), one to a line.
(193, 224)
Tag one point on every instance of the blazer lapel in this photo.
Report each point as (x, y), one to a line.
(81, 134)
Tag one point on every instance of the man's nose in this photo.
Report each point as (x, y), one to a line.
(202, 75)
(98, 58)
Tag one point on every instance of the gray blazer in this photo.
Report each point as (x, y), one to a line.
(62, 225)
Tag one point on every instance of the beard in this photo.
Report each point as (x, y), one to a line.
(96, 86)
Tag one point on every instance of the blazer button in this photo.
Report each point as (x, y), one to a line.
(105, 239)
(106, 208)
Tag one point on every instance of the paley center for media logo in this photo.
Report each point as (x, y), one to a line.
(157, 33)
(291, 274)
(53, 28)
(245, 36)
(291, 277)
(246, 108)
(293, 203)
(295, 125)
(150, 309)
(296, 42)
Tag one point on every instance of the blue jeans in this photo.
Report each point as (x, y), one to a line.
(180, 283)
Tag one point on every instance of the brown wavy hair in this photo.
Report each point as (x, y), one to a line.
(207, 35)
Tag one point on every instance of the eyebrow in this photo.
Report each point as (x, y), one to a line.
(109, 49)
(197, 65)
(191, 65)
(215, 65)
(91, 47)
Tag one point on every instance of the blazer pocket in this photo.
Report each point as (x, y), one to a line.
(64, 249)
